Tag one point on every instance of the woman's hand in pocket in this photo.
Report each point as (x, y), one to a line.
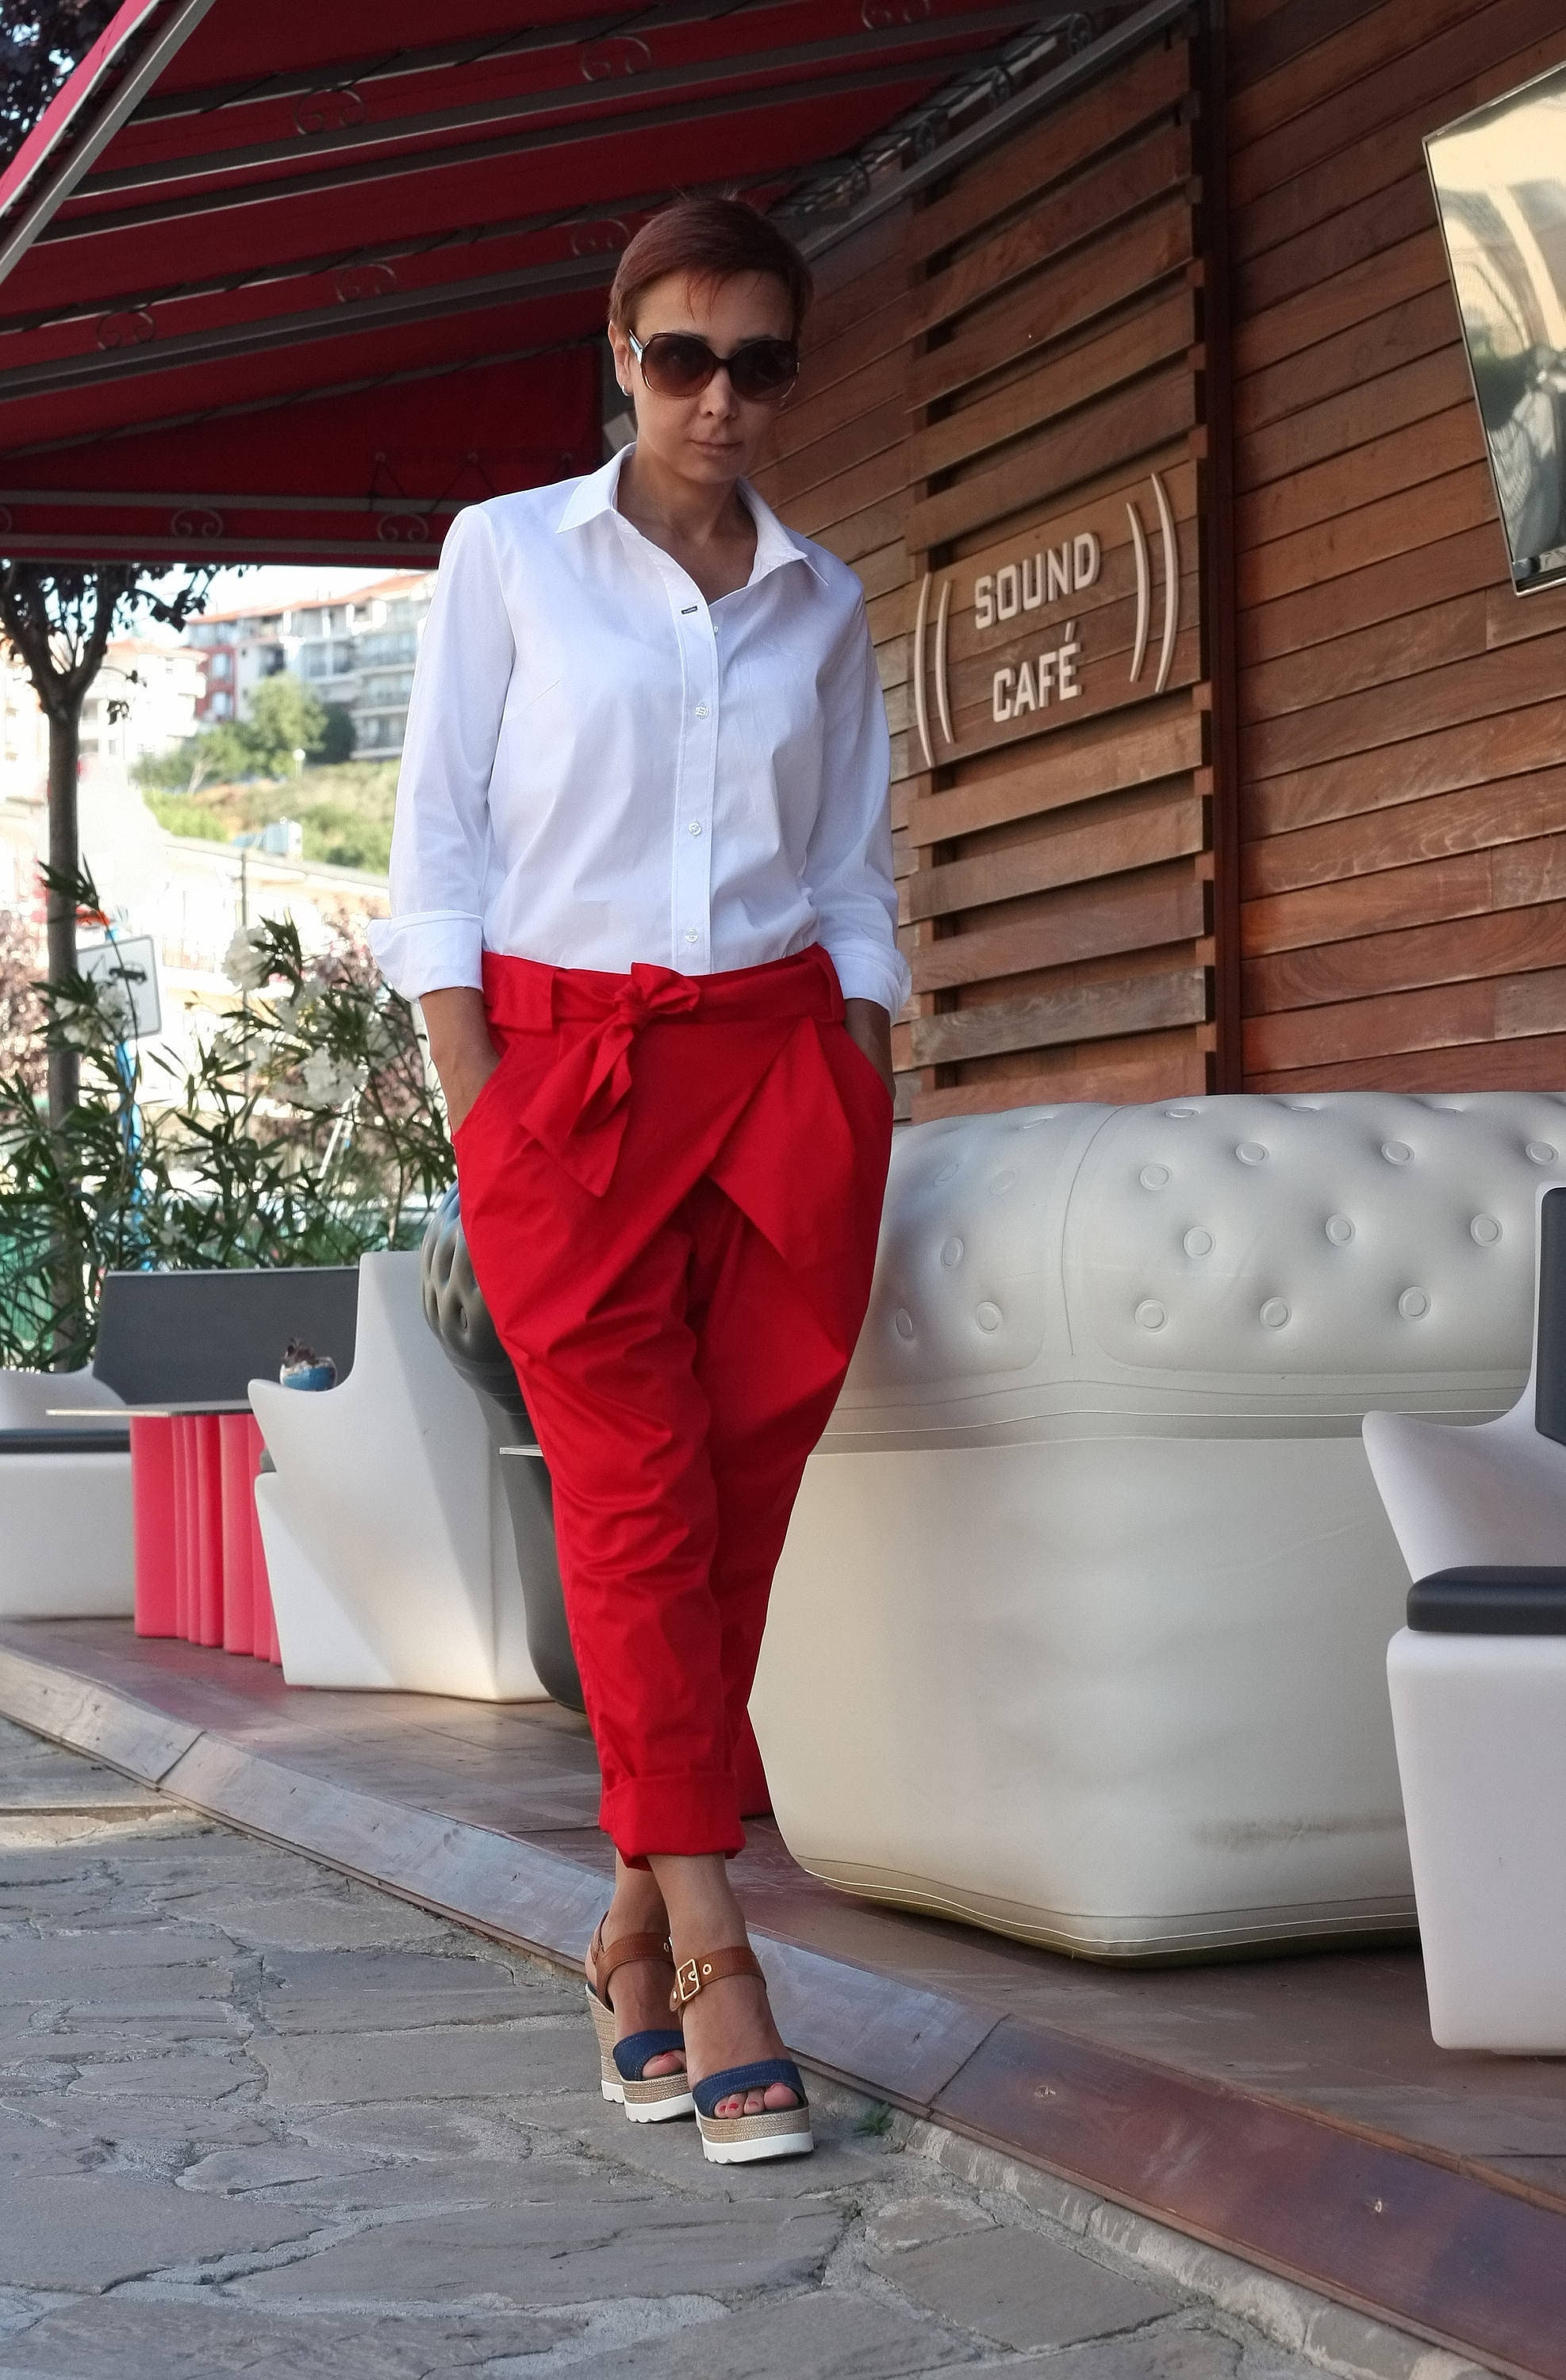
(460, 1045)
(870, 1029)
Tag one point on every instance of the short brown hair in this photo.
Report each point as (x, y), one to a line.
(708, 238)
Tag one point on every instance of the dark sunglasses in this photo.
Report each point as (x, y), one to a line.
(677, 363)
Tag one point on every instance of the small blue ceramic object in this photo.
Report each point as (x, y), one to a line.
(303, 1369)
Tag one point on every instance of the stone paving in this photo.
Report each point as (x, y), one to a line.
(256, 2118)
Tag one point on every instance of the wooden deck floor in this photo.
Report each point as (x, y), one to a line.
(1294, 2110)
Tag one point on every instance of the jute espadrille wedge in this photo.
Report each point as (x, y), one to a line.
(742, 2140)
(647, 2098)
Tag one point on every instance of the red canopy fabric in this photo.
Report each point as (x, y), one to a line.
(294, 282)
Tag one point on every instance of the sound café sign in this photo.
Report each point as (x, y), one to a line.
(1051, 674)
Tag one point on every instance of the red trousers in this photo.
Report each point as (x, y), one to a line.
(671, 1191)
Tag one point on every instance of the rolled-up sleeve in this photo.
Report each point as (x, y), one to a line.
(848, 865)
(443, 838)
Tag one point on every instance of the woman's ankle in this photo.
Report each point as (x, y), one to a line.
(637, 1906)
(703, 1913)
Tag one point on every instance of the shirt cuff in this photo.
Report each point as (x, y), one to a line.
(430, 950)
(871, 971)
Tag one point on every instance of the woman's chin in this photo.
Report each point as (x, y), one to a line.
(713, 462)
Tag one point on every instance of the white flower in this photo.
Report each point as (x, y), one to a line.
(80, 1029)
(247, 1044)
(326, 1082)
(244, 962)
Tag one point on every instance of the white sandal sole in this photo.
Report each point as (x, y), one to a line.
(657, 2099)
(747, 2139)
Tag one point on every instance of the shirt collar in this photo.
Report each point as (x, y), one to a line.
(774, 543)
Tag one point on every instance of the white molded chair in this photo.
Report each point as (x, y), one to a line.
(1477, 1685)
(66, 1546)
(1081, 1625)
(1494, 1493)
(390, 1550)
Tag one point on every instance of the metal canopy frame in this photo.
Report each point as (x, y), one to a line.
(353, 278)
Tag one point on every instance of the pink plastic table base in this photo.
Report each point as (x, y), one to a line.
(201, 1567)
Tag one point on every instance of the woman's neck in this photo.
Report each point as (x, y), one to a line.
(708, 530)
(657, 499)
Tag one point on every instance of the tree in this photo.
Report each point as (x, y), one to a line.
(38, 45)
(59, 622)
(338, 737)
(284, 719)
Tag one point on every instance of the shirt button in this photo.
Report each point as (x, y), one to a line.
(701, 710)
(691, 934)
(695, 826)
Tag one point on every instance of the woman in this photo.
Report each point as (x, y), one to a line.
(641, 883)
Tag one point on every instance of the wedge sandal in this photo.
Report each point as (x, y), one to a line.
(742, 2140)
(647, 2098)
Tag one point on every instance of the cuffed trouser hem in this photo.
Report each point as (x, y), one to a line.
(688, 1815)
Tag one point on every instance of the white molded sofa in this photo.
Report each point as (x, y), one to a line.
(1080, 1631)
(389, 1547)
(65, 1548)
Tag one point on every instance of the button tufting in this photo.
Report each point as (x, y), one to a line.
(1338, 1230)
(1275, 1314)
(1541, 1152)
(1154, 1177)
(951, 1253)
(1178, 1115)
(1150, 1315)
(904, 1321)
(1396, 1152)
(945, 1172)
(1197, 1243)
(1000, 1183)
(1413, 1305)
(1486, 1229)
(988, 1316)
(1032, 1123)
(1250, 1152)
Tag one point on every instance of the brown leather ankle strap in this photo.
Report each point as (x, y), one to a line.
(693, 1975)
(624, 1951)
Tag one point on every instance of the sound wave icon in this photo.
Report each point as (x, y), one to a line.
(1144, 585)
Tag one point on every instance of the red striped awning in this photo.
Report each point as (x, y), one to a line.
(294, 282)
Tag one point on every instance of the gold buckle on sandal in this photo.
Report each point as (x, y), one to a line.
(688, 1981)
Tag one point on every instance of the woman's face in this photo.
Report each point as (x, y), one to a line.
(713, 437)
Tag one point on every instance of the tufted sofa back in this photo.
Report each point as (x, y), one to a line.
(1237, 1263)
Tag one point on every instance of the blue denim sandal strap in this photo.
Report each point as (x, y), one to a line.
(633, 2055)
(735, 2080)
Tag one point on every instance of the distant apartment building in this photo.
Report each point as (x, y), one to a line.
(234, 650)
(355, 650)
(144, 698)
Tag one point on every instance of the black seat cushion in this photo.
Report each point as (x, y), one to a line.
(67, 1441)
(1484, 1601)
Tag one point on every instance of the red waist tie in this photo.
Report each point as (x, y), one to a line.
(580, 1109)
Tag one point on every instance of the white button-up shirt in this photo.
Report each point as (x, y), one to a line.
(600, 768)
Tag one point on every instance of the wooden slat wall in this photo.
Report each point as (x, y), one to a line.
(1403, 770)
(997, 371)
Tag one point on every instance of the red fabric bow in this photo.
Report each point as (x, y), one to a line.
(579, 1111)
